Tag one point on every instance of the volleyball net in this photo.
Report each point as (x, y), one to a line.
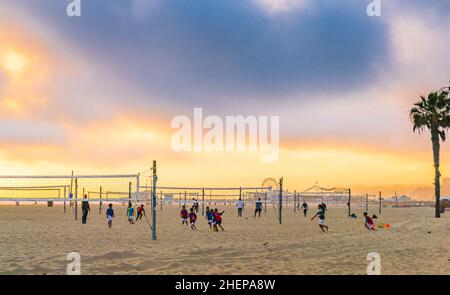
(69, 188)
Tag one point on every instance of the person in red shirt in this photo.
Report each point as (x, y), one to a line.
(140, 212)
(368, 222)
(218, 220)
(192, 219)
(184, 215)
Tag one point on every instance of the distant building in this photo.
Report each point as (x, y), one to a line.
(402, 198)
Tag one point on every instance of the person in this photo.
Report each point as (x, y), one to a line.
(140, 212)
(70, 198)
(210, 217)
(324, 206)
(321, 214)
(305, 207)
(85, 209)
(184, 215)
(218, 220)
(130, 213)
(195, 204)
(368, 222)
(192, 219)
(258, 207)
(240, 207)
(110, 215)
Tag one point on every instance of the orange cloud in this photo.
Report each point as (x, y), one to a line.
(26, 70)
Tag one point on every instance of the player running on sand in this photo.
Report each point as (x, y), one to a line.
(184, 215)
(321, 214)
(368, 222)
(192, 219)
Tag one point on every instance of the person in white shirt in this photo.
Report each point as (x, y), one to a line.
(240, 207)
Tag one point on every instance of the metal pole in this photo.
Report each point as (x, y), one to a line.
(129, 193)
(379, 209)
(155, 178)
(71, 190)
(161, 199)
(295, 201)
(280, 201)
(349, 202)
(367, 203)
(138, 185)
(203, 201)
(76, 197)
(265, 202)
(101, 202)
(64, 200)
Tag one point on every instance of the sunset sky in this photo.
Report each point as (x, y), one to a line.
(97, 93)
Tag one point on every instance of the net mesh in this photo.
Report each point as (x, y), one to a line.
(68, 187)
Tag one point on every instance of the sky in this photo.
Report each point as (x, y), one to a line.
(97, 93)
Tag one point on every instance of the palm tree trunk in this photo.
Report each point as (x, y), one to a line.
(437, 174)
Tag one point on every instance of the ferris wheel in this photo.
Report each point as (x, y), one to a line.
(271, 183)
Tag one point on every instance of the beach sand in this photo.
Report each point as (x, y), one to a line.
(36, 239)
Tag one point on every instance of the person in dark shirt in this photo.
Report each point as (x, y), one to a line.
(184, 215)
(192, 219)
(140, 212)
(258, 207)
(110, 215)
(210, 217)
(85, 209)
(368, 222)
(218, 220)
(305, 208)
(321, 214)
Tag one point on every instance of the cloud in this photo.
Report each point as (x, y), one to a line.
(280, 6)
(24, 131)
(218, 53)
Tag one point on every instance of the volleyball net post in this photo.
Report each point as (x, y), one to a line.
(265, 202)
(379, 203)
(280, 202)
(76, 199)
(155, 178)
(203, 201)
(349, 204)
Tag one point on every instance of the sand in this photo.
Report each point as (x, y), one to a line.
(36, 239)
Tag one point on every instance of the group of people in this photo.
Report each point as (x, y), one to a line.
(130, 213)
(85, 209)
(213, 218)
(258, 207)
(322, 208)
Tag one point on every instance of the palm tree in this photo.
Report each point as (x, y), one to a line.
(433, 113)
